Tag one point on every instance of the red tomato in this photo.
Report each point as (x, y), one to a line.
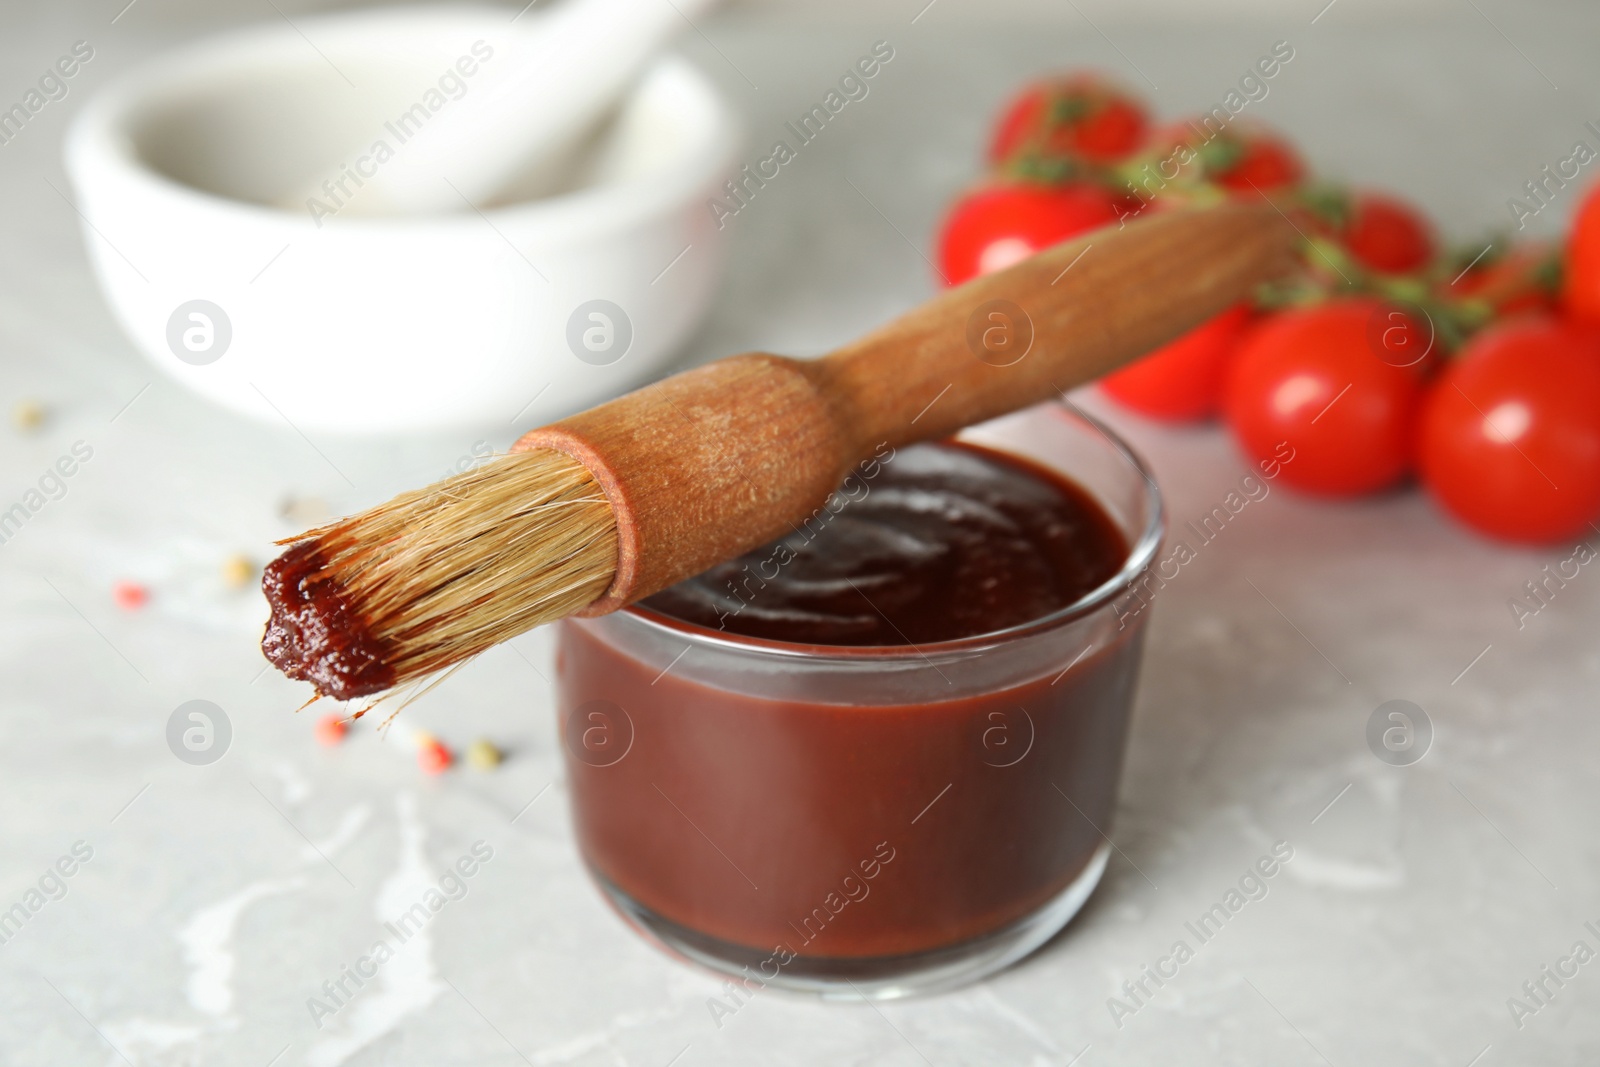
(1079, 115)
(1510, 433)
(1112, 133)
(1524, 278)
(994, 227)
(1182, 380)
(1581, 285)
(1266, 162)
(1387, 235)
(1017, 123)
(1242, 158)
(1310, 383)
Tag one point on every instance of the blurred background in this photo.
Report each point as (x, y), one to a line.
(210, 900)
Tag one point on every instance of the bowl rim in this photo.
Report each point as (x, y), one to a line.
(100, 148)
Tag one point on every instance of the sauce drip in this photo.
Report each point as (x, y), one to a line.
(313, 635)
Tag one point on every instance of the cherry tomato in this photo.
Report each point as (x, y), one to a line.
(1387, 235)
(1524, 278)
(1581, 285)
(1320, 385)
(996, 226)
(1510, 432)
(1265, 162)
(1243, 158)
(1020, 118)
(1079, 115)
(1182, 380)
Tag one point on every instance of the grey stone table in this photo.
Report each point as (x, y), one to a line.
(207, 904)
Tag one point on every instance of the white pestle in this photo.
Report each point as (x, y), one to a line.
(568, 69)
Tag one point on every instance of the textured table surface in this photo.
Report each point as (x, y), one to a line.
(217, 899)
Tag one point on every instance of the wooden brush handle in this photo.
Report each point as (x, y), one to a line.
(711, 463)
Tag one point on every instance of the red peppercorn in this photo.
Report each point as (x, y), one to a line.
(330, 730)
(432, 756)
(130, 596)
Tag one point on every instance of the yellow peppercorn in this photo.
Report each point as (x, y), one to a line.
(28, 415)
(237, 570)
(483, 755)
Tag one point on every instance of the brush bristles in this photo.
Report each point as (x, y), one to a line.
(438, 575)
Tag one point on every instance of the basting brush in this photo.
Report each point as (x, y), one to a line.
(623, 500)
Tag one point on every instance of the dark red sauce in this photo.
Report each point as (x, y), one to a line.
(848, 834)
(945, 542)
(313, 635)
